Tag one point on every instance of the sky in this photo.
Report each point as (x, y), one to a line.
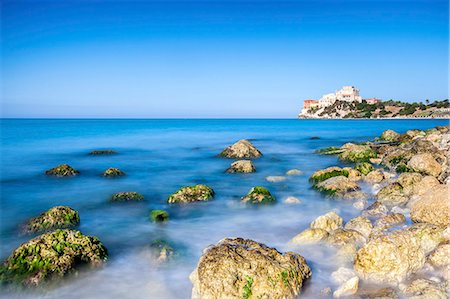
(215, 59)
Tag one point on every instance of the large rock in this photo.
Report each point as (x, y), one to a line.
(440, 257)
(51, 255)
(325, 174)
(374, 177)
(389, 135)
(389, 221)
(126, 196)
(62, 170)
(360, 224)
(258, 194)
(242, 268)
(328, 222)
(241, 149)
(433, 207)
(337, 186)
(392, 195)
(241, 166)
(377, 209)
(56, 217)
(310, 236)
(348, 288)
(364, 167)
(426, 289)
(341, 237)
(191, 194)
(113, 172)
(409, 181)
(357, 153)
(426, 164)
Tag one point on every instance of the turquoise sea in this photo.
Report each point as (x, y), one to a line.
(160, 156)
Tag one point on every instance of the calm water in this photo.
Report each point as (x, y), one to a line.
(159, 156)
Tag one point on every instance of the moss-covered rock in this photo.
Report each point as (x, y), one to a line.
(102, 152)
(113, 172)
(357, 153)
(56, 217)
(325, 174)
(241, 149)
(159, 216)
(337, 186)
(364, 167)
(332, 150)
(51, 255)
(62, 170)
(162, 250)
(389, 135)
(127, 196)
(258, 194)
(191, 194)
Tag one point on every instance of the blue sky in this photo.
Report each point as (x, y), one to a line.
(215, 58)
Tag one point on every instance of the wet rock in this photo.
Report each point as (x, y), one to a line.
(353, 174)
(342, 275)
(432, 207)
(428, 235)
(56, 217)
(294, 172)
(258, 194)
(324, 174)
(390, 220)
(127, 196)
(349, 288)
(62, 170)
(340, 237)
(383, 293)
(426, 289)
(275, 178)
(314, 137)
(241, 149)
(242, 268)
(337, 186)
(112, 172)
(360, 204)
(50, 256)
(326, 292)
(310, 236)
(377, 209)
(332, 150)
(191, 194)
(162, 250)
(408, 181)
(392, 195)
(360, 224)
(364, 167)
(426, 164)
(159, 216)
(102, 152)
(241, 166)
(292, 200)
(357, 153)
(356, 195)
(374, 177)
(389, 135)
(440, 257)
(345, 254)
(328, 222)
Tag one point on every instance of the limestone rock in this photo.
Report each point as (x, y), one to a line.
(324, 174)
(275, 178)
(112, 172)
(377, 209)
(241, 149)
(426, 289)
(294, 172)
(62, 170)
(408, 181)
(433, 207)
(349, 288)
(374, 177)
(337, 186)
(392, 195)
(390, 220)
(191, 194)
(258, 194)
(310, 236)
(360, 224)
(389, 135)
(127, 196)
(340, 237)
(440, 257)
(342, 275)
(328, 222)
(241, 166)
(364, 167)
(56, 217)
(292, 200)
(425, 163)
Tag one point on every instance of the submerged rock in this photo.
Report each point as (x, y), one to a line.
(377, 209)
(241, 149)
(348, 288)
(426, 289)
(310, 236)
(374, 177)
(51, 255)
(112, 172)
(191, 194)
(162, 250)
(292, 200)
(258, 194)
(159, 216)
(340, 237)
(56, 217)
(241, 166)
(328, 222)
(243, 268)
(294, 172)
(127, 196)
(62, 170)
(102, 152)
(337, 186)
(275, 178)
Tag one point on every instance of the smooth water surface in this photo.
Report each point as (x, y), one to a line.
(160, 156)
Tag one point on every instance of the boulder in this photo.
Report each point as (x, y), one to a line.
(294, 172)
(162, 250)
(159, 216)
(377, 209)
(440, 257)
(328, 222)
(390, 220)
(50, 256)
(408, 181)
(241, 166)
(324, 174)
(432, 207)
(357, 153)
(342, 275)
(292, 200)
(364, 167)
(127, 196)
(429, 235)
(348, 288)
(356, 195)
(243, 268)
(360, 224)
(62, 170)
(426, 289)
(353, 174)
(102, 152)
(389, 135)
(337, 186)
(340, 237)
(392, 195)
(258, 194)
(374, 177)
(191, 194)
(112, 172)
(310, 236)
(383, 293)
(426, 164)
(240, 150)
(56, 217)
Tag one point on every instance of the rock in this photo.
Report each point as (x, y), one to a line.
(383, 293)
(360, 204)
(392, 195)
(426, 289)
(389, 135)
(310, 236)
(433, 207)
(325, 292)
(127, 196)
(275, 178)
(258, 194)
(324, 174)
(428, 235)
(159, 216)
(102, 152)
(112, 172)
(314, 137)
(426, 164)
(292, 200)
(357, 153)
(50, 256)
(340, 237)
(364, 167)
(353, 174)
(342, 275)
(408, 181)
(242, 268)
(241, 149)
(332, 150)
(337, 186)
(356, 195)
(360, 224)
(241, 166)
(349, 288)
(328, 222)
(62, 170)
(345, 253)
(376, 161)
(374, 177)
(426, 184)
(377, 209)
(191, 194)
(440, 257)
(294, 172)
(56, 217)
(162, 250)
(390, 220)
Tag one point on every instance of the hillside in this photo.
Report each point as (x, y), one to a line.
(387, 109)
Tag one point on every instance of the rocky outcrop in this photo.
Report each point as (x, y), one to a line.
(257, 195)
(113, 172)
(432, 207)
(50, 256)
(241, 166)
(426, 164)
(159, 216)
(62, 171)
(127, 196)
(389, 135)
(325, 174)
(337, 186)
(56, 217)
(191, 194)
(240, 150)
(243, 268)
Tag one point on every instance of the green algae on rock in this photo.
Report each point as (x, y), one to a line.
(113, 172)
(62, 170)
(159, 216)
(102, 152)
(357, 153)
(258, 194)
(325, 174)
(56, 217)
(50, 256)
(188, 194)
(127, 196)
(364, 167)
(332, 150)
